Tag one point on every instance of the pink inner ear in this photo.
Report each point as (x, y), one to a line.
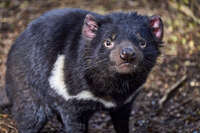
(157, 32)
(157, 26)
(90, 27)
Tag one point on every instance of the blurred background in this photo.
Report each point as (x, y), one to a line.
(170, 101)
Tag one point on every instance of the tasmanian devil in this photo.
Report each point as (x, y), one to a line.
(72, 63)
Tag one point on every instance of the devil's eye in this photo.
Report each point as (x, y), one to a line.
(143, 44)
(108, 44)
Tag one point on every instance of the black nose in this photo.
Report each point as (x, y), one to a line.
(127, 54)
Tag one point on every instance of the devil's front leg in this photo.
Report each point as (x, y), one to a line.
(75, 117)
(120, 118)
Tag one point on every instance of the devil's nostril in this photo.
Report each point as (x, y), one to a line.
(127, 53)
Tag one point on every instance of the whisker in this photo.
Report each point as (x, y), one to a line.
(96, 63)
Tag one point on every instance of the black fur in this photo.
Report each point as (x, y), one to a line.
(57, 32)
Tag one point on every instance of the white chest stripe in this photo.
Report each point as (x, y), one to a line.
(56, 81)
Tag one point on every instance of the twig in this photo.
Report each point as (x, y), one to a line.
(171, 91)
(135, 94)
(184, 9)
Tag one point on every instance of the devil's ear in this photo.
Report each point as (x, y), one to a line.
(90, 27)
(157, 27)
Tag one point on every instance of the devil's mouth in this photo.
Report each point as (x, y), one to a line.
(125, 64)
(126, 67)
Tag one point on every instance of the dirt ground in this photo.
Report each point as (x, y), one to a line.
(180, 58)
